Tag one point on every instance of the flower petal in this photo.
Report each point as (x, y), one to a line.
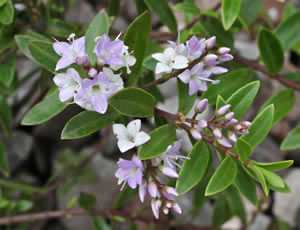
(141, 138)
(134, 127)
(124, 145)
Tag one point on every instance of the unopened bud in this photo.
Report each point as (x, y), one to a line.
(223, 50)
(229, 116)
(92, 72)
(223, 141)
(168, 204)
(202, 124)
(238, 127)
(201, 106)
(166, 210)
(223, 110)
(168, 171)
(210, 43)
(232, 122)
(171, 191)
(217, 132)
(196, 134)
(247, 124)
(176, 208)
(232, 137)
(153, 190)
(225, 58)
(210, 59)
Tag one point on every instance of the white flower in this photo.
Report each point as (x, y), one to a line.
(169, 60)
(114, 78)
(128, 60)
(130, 136)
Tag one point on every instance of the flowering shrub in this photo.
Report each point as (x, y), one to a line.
(114, 79)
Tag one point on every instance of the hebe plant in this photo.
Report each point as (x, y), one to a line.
(114, 79)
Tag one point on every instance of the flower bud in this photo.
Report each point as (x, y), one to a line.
(232, 137)
(155, 207)
(153, 190)
(92, 72)
(201, 106)
(166, 210)
(202, 124)
(176, 208)
(210, 59)
(247, 124)
(238, 127)
(171, 190)
(223, 141)
(232, 122)
(210, 43)
(217, 132)
(168, 204)
(196, 134)
(223, 110)
(168, 172)
(229, 116)
(223, 50)
(142, 191)
(225, 57)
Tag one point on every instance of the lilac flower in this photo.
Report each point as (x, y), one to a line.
(201, 106)
(169, 60)
(196, 134)
(69, 52)
(109, 51)
(168, 171)
(114, 78)
(68, 83)
(196, 78)
(130, 172)
(94, 93)
(128, 60)
(195, 47)
(170, 193)
(211, 61)
(155, 205)
(130, 136)
(180, 48)
(153, 190)
(143, 191)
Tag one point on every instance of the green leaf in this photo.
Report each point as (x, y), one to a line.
(250, 9)
(161, 138)
(258, 175)
(270, 50)
(88, 122)
(140, 6)
(243, 148)
(241, 100)
(289, 10)
(193, 169)
(60, 28)
(20, 186)
(233, 80)
(236, 204)
(5, 116)
(185, 101)
(230, 12)
(260, 127)
(87, 201)
(293, 76)
(220, 102)
(7, 13)
(7, 73)
(45, 110)
(292, 141)
(133, 102)
(2, 2)
(288, 31)
(213, 27)
(44, 54)
(283, 102)
(285, 189)
(163, 11)
(221, 212)
(98, 27)
(137, 39)
(274, 166)
(223, 177)
(4, 160)
(23, 205)
(113, 7)
(99, 223)
(187, 7)
(272, 178)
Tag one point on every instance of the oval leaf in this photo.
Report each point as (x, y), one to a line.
(45, 110)
(258, 175)
(241, 100)
(133, 102)
(292, 141)
(185, 101)
(7, 13)
(270, 51)
(260, 127)
(87, 122)
(243, 148)
(275, 166)
(137, 38)
(161, 138)
(272, 178)
(223, 177)
(250, 10)
(230, 12)
(193, 169)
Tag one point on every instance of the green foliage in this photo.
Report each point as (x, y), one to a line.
(292, 141)
(275, 166)
(5, 116)
(250, 9)
(45, 110)
(236, 204)
(3, 160)
(185, 101)
(7, 13)
(230, 12)
(26, 188)
(270, 50)
(133, 102)
(99, 223)
(221, 212)
(7, 73)
(243, 148)
(187, 7)
(113, 7)
(193, 170)
(88, 122)
(86, 201)
(57, 27)
(163, 11)
(161, 138)
(137, 39)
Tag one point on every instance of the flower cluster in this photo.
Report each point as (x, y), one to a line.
(223, 126)
(180, 56)
(91, 92)
(147, 174)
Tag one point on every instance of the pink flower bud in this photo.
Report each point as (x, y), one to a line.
(232, 122)
(224, 109)
(223, 141)
(171, 190)
(92, 72)
(201, 106)
(168, 172)
(217, 132)
(210, 43)
(225, 58)
(210, 59)
(196, 134)
(223, 50)
(202, 124)
(229, 116)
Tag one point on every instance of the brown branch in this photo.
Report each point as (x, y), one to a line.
(95, 212)
(255, 65)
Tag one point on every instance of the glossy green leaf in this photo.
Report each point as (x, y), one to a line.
(86, 201)
(99, 223)
(220, 102)
(270, 51)
(250, 9)
(187, 7)
(285, 189)
(7, 73)
(7, 13)
(259, 176)
(60, 28)
(137, 38)
(289, 9)
(88, 122)
(193, 170)
(292, 141)
(236, 204)
(275, 166)
(164, 12)
(133, 102)
(245, 184)
(293, 76)
(3, 160)
(45, 110)
(2, 2)
(19, 186)
(140, 6)
(221, 212)
(241, 100)
(233, 80)
(98, 27)
(288, 31)
(243, 148)
(230, 12)
(260, 127)
(44, 54)
(272, 178)
(223, 177)
(5, 116)
(283, 102)
(161, 138)
(185, 101)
